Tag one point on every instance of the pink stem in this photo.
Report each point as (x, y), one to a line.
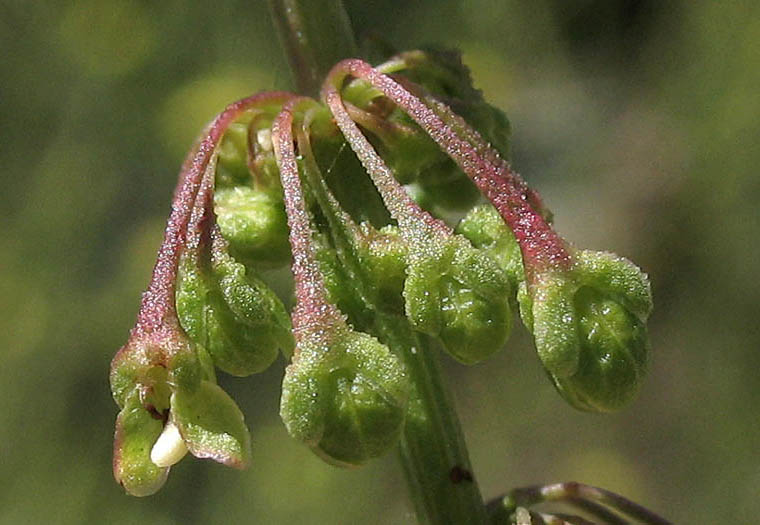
(402, 208)
(312, 310)
(158, 301)
(541, 247)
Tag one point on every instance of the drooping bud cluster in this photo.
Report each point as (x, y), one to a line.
(570, 298)
(277, 177)
(200, 310)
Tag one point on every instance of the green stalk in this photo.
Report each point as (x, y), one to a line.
(316, 34)
(433, 452)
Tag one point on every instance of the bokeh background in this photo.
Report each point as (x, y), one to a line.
(638, 120)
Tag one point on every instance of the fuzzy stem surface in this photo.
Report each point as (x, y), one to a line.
(316, 34)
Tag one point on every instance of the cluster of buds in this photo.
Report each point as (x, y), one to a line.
(278, 178)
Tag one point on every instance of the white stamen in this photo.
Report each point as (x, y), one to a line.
(169, 447)
(264, 138)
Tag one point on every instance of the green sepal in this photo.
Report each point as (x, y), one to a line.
(486, 230)
(613, 355)
(234, 316)
(128, 366)
(207, 364)
(212, 425)
(554, 323)
(382, 259)
(345, 396)
(458, 294)
(165, 352)
(137, 430)
(185, 370)
(617, 277)
(255, 225)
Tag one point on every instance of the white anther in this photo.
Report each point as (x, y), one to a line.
(169, 447)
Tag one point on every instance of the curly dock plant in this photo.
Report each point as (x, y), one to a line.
(351, 189)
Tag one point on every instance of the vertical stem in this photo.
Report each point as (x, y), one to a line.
(433, 452)
(315, 34)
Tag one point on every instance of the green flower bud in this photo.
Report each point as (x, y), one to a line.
(248, 197)
(458, 294)
(254, 224)
(382, 257)
(589, 326)
(485, 229)
(233, 315)
(137, 430)
(345, 396)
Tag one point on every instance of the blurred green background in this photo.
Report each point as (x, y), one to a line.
(637, 120)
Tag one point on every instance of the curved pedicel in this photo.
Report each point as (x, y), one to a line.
(159, 368)
(567, 303)
(452, 291)
(344, 393)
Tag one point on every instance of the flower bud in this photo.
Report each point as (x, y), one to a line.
(345, 396)
(248, 197)
(233, 315)
(485, 229)
(459, 294)
(590, 331)
(151, 360)
(382, 256)
(255, 225)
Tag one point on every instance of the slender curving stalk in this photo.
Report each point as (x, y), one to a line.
(433, 452)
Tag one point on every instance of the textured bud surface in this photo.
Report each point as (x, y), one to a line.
(345, 396)
(459, 294)
(255, 225)
(485, 229)
(382, 256)
(234, 316)
(590, 331)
